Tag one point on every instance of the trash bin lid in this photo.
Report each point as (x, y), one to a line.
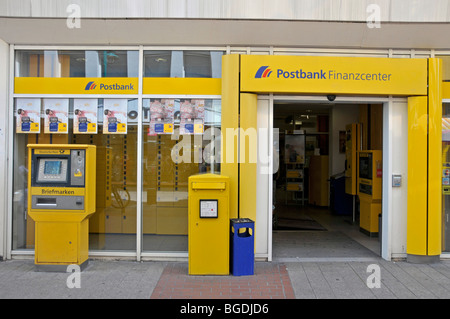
(241, 220)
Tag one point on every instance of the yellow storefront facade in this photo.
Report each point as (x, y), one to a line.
(176, 125)
(419, 80)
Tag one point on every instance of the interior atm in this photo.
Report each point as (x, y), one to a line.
(61, 198)
(369, 190)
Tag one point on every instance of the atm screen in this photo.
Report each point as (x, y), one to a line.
(52, 167)
(51, 170)
(365, 166)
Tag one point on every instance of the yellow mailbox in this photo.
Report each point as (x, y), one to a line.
(61, 198)
(209, 225)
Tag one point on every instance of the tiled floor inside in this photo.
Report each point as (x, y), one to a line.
(324, 235)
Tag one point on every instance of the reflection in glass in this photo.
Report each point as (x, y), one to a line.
(157, 64)
(76, 63)
(183, 64)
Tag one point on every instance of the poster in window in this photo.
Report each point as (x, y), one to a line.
(445, 129)
(295, 148)
(28, 112)
(115, 116)
(161, 116)
(56, 116)
(85, 116)
(192, 116)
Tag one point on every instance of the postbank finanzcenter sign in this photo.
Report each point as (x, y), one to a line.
(333, 75)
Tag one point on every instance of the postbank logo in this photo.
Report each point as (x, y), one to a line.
(263, 72)
(90, 86)
(321, 74)
(109, 87)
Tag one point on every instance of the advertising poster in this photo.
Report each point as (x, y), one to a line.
(115, 116)
(192, 116)
(85, 116)
(295, 148)
(56, 116)
(445, 129)
(28, 112)
(161, 116)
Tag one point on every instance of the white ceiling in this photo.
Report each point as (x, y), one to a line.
(207, 32)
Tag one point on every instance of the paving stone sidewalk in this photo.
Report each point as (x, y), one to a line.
(270, 281)
(301, 280)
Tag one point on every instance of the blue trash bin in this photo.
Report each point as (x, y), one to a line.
(242, 243)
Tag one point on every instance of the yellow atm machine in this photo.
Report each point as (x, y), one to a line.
(369, 190)
(61, 198)
(209, 225)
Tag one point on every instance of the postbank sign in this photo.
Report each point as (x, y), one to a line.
(333, 75)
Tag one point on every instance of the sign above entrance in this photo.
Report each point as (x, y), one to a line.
(333, 75)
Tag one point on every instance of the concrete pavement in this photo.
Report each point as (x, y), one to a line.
(309, 279)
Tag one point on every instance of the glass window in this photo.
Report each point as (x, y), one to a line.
(446, 176)
(105, 63)
(157, 64)
(445, 66)
(197, 64)
(183, 64)
(169, 158)
(113, 225)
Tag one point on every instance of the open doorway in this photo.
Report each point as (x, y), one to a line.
(313, 214)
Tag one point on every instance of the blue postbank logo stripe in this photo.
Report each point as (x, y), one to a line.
(260, 72)
(88, 86)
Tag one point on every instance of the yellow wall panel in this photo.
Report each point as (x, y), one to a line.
(248, 152)
(193, 86)
(446, 90)
(230, 120)
(417, 176)
(434, 156)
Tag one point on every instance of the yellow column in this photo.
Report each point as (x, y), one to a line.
(230, 121)
(424, 233)
(434, 156)
(248, 156)
(417, 176)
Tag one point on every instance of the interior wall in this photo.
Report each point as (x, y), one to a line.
(340, 116)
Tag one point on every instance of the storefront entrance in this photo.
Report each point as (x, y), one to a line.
(313, 216)
(306, 214)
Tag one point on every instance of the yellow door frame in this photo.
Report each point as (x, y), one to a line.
(244, 76)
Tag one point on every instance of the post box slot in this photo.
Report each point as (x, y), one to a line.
(198, 185)
(46, 201)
